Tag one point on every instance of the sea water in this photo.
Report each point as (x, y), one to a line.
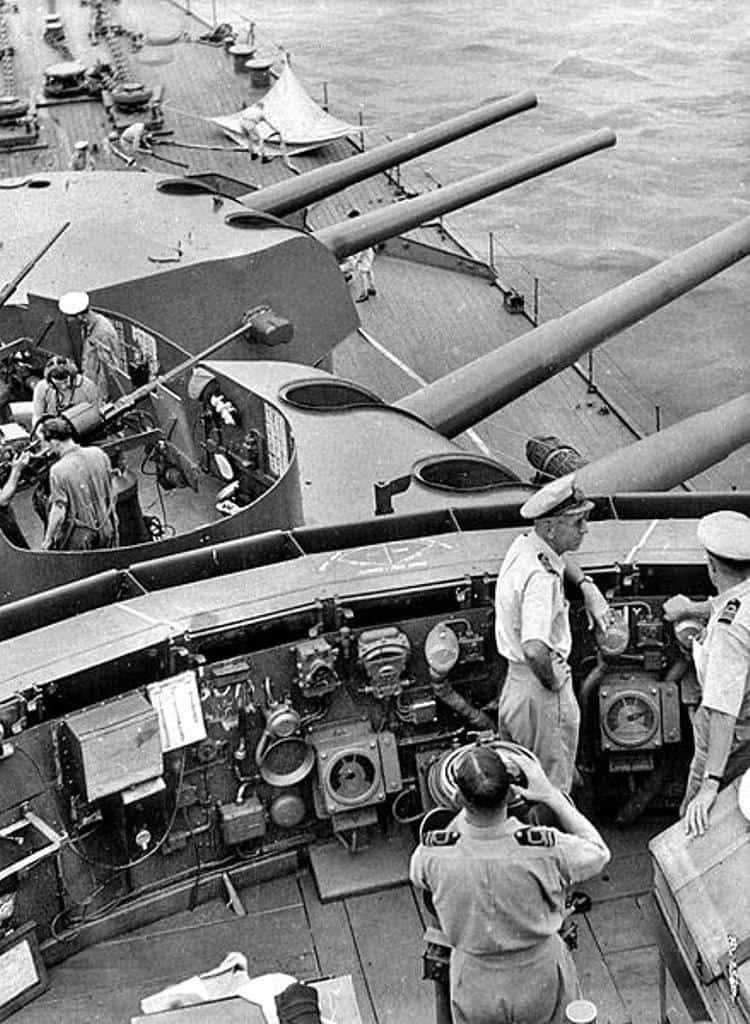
(669, 76)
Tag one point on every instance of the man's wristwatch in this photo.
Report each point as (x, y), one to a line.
(586, 579)
(713, 777)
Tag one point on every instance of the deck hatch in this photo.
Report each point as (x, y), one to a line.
(462, 473)
(325, 395)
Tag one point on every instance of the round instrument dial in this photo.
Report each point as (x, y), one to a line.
(630, 719)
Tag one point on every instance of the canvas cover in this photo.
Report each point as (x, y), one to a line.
(291, 110)
(701, 885)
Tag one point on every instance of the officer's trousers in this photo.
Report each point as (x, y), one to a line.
(545, 722)
(737, 763)
(528, 986)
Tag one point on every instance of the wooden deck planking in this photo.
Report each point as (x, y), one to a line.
(635, 972)
(421, 316)
(618, 925)
(596, 980)
(376, 938)
(334, 944)
(388, 933)
(274, 936)
(625, 875)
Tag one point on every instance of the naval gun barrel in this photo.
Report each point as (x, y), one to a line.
(474, 391)
(286, 197)
(347, 237)
(7, 290)
(671, 456)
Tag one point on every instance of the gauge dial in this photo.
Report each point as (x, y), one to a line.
(630, 719)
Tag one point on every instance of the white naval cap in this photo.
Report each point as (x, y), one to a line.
(73, 303)
(559, 497)
(726, 534)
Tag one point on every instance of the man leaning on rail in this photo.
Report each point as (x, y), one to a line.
(498, 889)
(721, 725)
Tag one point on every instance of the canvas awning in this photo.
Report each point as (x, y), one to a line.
(303, 124)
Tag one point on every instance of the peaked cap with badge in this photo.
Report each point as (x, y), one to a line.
(560, 497)
(726, 534)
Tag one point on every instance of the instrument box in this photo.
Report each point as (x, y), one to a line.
(110, 747)
(240, 823)
(702, 888)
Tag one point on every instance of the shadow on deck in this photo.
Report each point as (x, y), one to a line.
(376, 938)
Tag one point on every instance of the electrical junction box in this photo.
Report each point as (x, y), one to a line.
(242, 822)
(111, 747)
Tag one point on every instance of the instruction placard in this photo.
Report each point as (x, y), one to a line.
(177, 703)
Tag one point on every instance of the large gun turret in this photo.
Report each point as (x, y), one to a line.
(347, 237)
(286, 197)
(474, 391)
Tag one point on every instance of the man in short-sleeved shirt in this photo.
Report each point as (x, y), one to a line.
(721, 725)
(81, 503)
(498, 889)
(537, 706)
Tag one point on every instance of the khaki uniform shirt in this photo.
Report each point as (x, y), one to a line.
(722, 658)
(494, 894)
(530, 603)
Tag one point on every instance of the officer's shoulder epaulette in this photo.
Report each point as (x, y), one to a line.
(729, 611)
(534, 835)
(546, 564)
(441, 837)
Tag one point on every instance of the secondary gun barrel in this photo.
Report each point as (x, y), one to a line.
(7, 290)
(288, 196)
(113, 412)
(474, 391)
(352, 235)
(671, 456)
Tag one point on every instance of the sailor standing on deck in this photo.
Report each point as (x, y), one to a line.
(721, 725)
(82, 159)
(537, 706)
(498, 890)
(358, 272)
(100, 344)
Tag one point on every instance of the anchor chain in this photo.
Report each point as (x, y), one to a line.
(7, 68)
(105, 26)
(733, 977)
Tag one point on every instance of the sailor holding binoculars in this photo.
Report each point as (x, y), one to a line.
(498, 889)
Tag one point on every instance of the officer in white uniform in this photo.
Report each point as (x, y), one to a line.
(721, 725)
(498, 889)
(538, 707)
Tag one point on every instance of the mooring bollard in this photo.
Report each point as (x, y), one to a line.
(260, 72)
(241, 53)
